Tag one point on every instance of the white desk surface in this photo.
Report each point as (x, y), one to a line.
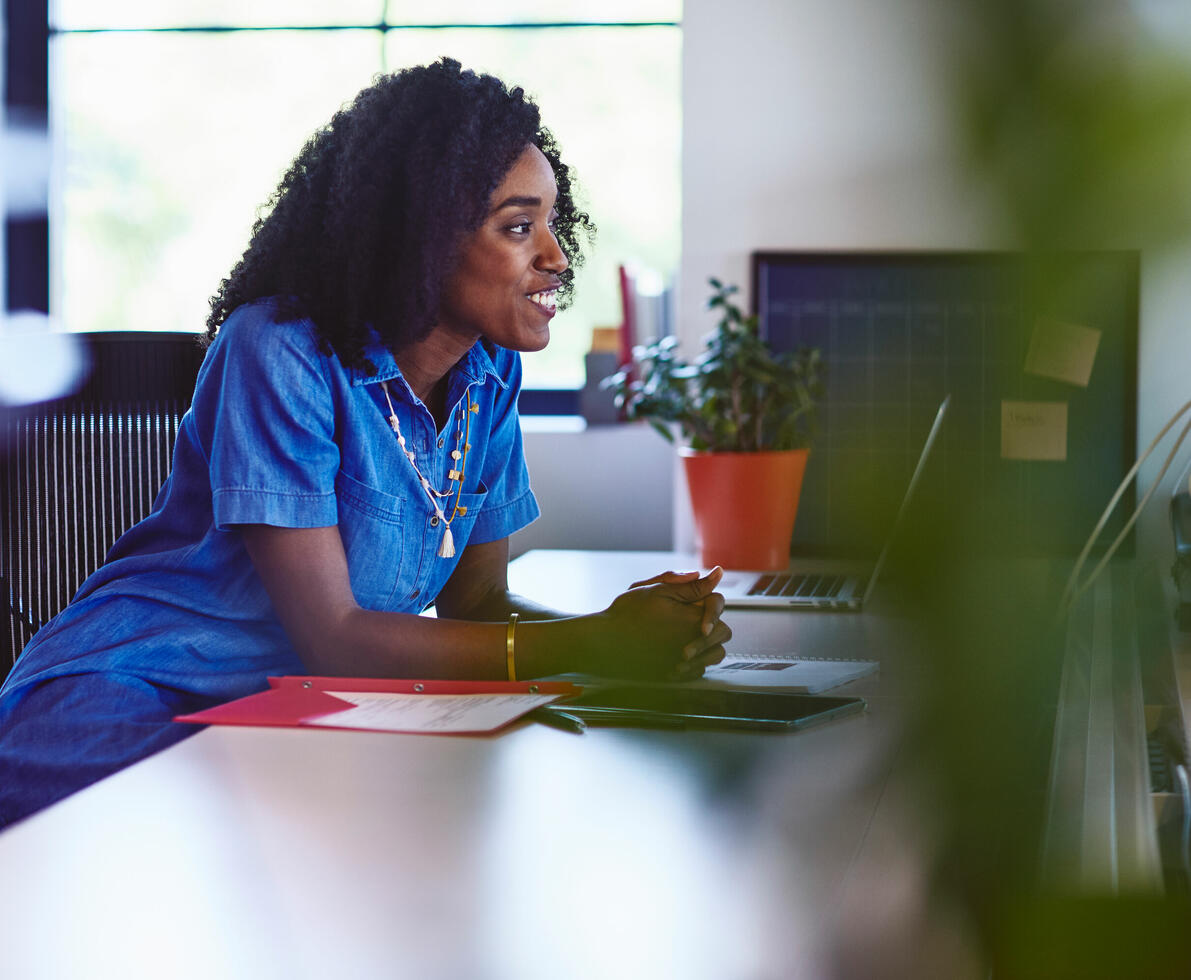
(259, 853)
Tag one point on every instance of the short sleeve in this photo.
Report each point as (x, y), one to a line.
(265, 414)
(510, 504)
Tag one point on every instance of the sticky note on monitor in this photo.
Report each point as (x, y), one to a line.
(1063, 351)
(1034, 430)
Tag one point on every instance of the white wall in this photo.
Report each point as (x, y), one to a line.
(607, 487)
(813, 125)
(818, 125)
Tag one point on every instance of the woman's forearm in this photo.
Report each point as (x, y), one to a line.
(365, 643)
(650, 631)
(499, 605)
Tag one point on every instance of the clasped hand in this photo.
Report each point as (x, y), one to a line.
(667, 626)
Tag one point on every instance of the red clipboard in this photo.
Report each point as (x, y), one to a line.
(299, 701)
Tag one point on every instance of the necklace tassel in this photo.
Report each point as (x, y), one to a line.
(447, 548)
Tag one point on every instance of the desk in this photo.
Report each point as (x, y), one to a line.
(256, 853)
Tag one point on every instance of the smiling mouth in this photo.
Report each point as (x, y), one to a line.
(547, 299)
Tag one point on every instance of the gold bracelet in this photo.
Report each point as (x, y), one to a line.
(509, 647)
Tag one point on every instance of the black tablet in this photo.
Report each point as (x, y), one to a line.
(679, 707)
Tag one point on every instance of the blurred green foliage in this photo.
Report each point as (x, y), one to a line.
(1074, 117)
(1077, 114)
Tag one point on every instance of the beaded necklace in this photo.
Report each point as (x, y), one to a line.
(446, 548)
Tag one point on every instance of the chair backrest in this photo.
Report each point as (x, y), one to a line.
(78, 472)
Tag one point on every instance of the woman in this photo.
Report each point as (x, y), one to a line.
(352, 454)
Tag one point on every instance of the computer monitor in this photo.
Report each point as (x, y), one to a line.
(1038, 353)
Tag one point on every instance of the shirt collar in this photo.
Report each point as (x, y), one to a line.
(475, 365)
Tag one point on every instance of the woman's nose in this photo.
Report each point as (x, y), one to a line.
(551, 257)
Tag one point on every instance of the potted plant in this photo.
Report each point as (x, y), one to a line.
(747, 418)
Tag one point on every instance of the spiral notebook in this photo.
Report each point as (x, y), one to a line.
(777, 672)
(774, 673)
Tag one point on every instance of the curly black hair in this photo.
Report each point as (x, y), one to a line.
(365, 227)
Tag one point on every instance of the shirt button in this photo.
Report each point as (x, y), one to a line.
(440, 442)
(434, 521)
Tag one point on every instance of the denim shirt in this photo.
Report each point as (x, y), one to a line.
(281, 433)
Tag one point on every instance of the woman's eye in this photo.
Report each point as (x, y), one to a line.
(521, 227)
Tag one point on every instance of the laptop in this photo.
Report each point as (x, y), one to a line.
(834, 591)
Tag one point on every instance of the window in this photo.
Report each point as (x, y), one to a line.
(173, 121)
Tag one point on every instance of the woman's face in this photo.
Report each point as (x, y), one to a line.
(505, 285)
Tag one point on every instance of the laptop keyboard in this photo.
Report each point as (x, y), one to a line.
(808, 586)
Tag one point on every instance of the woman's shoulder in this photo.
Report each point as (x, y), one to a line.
(268, 314)
(264, 340)
(270, 325)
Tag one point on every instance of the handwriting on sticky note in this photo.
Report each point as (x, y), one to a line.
(1063, 351)
(1034, 430)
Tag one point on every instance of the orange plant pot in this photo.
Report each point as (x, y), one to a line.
(744, 505)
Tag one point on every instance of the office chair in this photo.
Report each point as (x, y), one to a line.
(78, 472)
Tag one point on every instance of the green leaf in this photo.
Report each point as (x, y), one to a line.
(664, 430)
